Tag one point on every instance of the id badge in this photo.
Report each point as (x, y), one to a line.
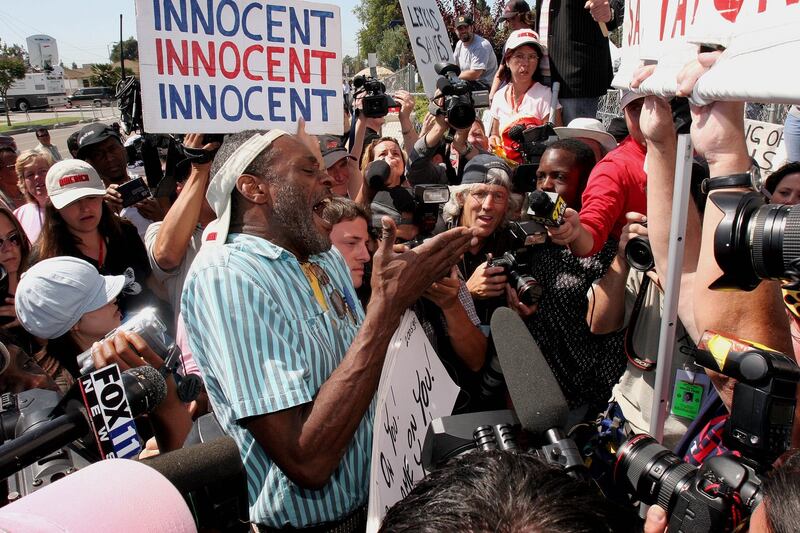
(688, 394)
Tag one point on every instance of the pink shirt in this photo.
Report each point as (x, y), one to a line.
(31, 217)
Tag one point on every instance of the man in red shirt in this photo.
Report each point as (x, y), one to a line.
(616, 186)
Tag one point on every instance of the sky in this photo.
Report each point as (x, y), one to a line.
(85, 30)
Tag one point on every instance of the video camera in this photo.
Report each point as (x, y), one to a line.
(755, 241)
(460, 100)
(531, 142)
(375, 103)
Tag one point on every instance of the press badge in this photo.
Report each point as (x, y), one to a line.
(688, 394)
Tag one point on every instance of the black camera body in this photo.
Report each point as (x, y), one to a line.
(546, 208)
(531, 142)
(460, 100)
(529, 291)
(375, 103)
(696, 499)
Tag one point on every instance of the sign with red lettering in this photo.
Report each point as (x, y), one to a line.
(429, 40)
(759, 38)
(221, 66)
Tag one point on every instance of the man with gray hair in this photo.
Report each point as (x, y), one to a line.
(484, 203)
(290, 358)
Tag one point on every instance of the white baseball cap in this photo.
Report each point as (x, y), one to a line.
(54, 294)
(72, 179)
(588, 128)
(521, 37)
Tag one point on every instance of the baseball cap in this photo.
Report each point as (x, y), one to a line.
(223, 182)
(332, 149)
(588, 128)
(72, 179)
(521, 37)
(93, 134)
(54, 294)
(627, 96)
(479, 167)
(392, 203)
(464, 20)
(515, 7)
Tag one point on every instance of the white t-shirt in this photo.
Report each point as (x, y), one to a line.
(535, 103)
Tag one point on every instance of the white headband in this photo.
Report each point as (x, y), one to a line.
(223, 182)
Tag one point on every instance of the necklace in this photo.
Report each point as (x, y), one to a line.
(514, 104)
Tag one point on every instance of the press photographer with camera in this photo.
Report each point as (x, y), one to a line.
(524, 99)
(100, 146)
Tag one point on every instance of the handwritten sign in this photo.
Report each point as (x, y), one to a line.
(765, 144)
(414, 389)
(220, 66)
(759, 37)
(429, 40)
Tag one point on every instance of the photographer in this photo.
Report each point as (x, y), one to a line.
(483, 202)
(66, 300)
(423, 170)
(446, 311)
(585, 365)
(100, 146)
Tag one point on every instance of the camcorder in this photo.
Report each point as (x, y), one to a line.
(755, 241)
(460, 100)
(375, 103)
(531, 142)
(428, 202)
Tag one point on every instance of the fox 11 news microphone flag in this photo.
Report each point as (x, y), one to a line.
(222, 66)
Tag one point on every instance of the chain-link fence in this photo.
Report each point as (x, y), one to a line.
(404, 79)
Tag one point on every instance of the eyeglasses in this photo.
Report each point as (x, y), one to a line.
(526, 58)
(13, 238)
(497, 196)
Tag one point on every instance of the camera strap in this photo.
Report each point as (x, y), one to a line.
(642, 363)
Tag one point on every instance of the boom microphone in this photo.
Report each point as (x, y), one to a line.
(377, 174)
(537, 397)
(118, 495)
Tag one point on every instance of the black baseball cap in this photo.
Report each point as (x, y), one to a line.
(514, 8)
(93, 134)
(477, 170)
(464, 20)
(332, 149)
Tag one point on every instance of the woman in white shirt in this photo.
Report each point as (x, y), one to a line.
(523, 99)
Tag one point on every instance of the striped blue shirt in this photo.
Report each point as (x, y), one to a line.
(264, 344)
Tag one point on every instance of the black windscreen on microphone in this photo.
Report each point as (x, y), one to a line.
(377, 174)
(538, 400)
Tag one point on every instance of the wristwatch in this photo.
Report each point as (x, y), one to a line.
(745, 180)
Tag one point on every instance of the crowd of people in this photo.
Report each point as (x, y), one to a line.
(283, 263)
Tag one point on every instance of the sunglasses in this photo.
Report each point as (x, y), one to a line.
(13, 238)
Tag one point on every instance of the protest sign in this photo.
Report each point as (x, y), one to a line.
(414, 389)
(429, 40)
(760, 40)
(220, 66)
(765, 145)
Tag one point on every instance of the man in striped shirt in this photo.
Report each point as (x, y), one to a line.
(290, 360)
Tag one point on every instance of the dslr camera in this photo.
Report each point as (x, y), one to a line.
(428, 202)
(375, 103)
(460, 100)
(516, 263)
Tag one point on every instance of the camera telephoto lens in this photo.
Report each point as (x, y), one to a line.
(639, 254)
(652, 472)
(529, 291)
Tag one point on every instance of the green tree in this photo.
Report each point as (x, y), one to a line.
(74, 65)
(484, 18)
(12, 67)
(130, 50)
(375, 17)
(393, 49)
(103, 75)
(351, 65)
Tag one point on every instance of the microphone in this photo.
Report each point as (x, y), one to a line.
(212, 479)
(102, 404)
(377, 174)
(537, 396)
(118, 495)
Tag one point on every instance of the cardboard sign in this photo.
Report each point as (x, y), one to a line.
(414, 389)
(765, 144)
(760, 38)
(429, 40)
(109, 413)
(221, 66)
